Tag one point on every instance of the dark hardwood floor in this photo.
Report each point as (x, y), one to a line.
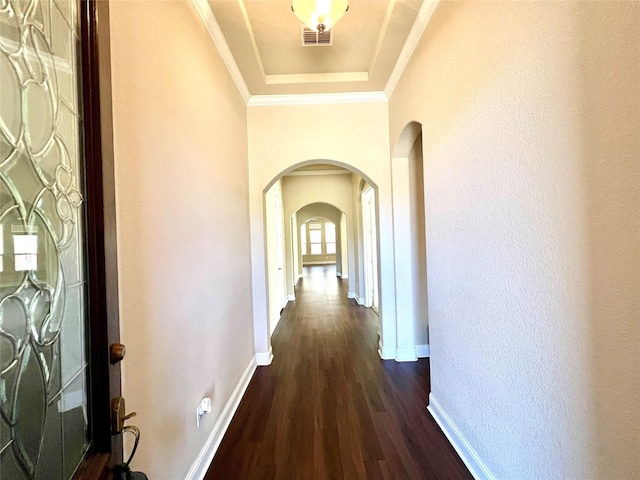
(328, 407)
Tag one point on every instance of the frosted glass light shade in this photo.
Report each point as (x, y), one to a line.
(319, 15)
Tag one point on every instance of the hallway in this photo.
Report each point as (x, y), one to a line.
(328, 407)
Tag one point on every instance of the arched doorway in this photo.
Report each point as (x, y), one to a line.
(296, 193)
(410, 245)
(333, 238)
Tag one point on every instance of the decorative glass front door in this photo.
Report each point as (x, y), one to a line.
(43, 354)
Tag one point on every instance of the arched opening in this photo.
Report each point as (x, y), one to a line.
(410, 245)
(328, 192)
(323, 222)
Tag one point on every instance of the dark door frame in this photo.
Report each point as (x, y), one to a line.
(101, 262)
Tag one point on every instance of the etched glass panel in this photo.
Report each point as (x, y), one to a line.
(43, 361)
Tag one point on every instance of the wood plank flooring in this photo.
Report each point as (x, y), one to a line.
(328, 407)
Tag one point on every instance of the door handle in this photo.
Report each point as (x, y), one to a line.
(118, 415)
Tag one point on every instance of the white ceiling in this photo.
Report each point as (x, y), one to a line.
(261, 40)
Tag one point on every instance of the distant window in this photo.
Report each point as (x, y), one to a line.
(318, 237)
(315, 236)
(315, 240)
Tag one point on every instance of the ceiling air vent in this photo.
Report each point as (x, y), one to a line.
(311, 38)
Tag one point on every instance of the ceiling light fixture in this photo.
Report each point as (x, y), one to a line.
(319, 15)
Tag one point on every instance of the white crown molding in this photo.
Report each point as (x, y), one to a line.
(467, 453)
(316, 99)
(204, 12)
(381, 34)
(252, 37)
(199, 468)
(424, 15)
(340, 77)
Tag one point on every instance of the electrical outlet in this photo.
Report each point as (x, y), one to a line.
(203, 408)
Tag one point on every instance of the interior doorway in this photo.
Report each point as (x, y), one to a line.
(280, 250)
(310, 190)
(410, 258)
(277, 299)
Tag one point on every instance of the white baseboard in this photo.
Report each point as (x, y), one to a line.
(360, 300)
(351, 294)
(466, 452)
(263, 359)
(205, 457)
(422, 351)
(406, 355)
(291, 298)
(386, 353)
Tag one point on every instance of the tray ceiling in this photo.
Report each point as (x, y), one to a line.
(264, 41)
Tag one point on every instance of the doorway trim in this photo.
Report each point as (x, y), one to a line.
(102, 269)
(409, 244)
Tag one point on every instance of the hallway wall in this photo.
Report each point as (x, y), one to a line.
(183, 229)
(530, 118)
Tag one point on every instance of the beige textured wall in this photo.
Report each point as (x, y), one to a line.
(530, 115)
(183, 228)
